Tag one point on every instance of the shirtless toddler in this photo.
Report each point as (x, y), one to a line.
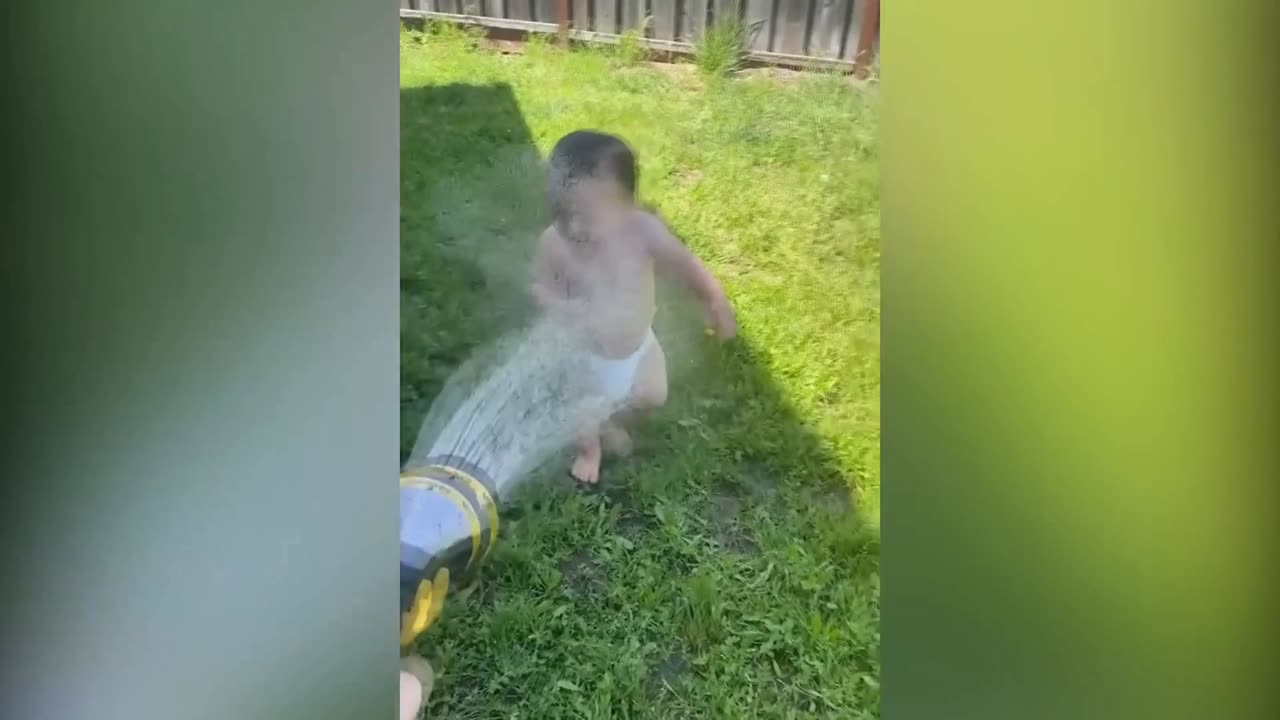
(594, 269)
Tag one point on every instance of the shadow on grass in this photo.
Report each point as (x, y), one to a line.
(470, 209)
(728, 461)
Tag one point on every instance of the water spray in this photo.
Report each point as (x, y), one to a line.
(486, 433)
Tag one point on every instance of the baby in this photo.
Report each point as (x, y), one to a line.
(594, 269)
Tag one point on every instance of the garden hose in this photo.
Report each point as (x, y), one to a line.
(448, 526)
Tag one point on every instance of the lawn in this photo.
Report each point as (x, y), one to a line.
(730, 568)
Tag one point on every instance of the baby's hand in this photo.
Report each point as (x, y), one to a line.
(410, 696)
(721, 320)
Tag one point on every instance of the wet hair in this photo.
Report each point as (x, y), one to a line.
(587, 155)
(584, 154)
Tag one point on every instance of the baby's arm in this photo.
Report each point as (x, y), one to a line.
(672, 258)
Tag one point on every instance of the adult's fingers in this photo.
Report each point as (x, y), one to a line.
(410, 696)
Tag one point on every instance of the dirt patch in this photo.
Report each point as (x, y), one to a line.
(758, 480)
(736, 541)
(669, 671)
(633, 526)
(504, 46)
(679, 564)
(688, 176)
(835, 501)
(630, 523)
(617, 494)
(781, 74)
(581, 574)
(725, 509)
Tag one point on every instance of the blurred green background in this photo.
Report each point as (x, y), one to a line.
(1078, 368)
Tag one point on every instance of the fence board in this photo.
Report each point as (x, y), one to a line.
(544, 10)
(664, 19)
(473, 7)
(694, 20)
(759, 16)
(724, 8)
(789, 36)
(850, 48)
(582, 14)
(518, 10)
(828, 28)
(631, 14)
(606, 16)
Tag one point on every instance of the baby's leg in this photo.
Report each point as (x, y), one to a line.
(586, 467)
(648, 392)
(649, 389)
(614, 438)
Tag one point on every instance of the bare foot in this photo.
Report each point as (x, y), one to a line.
(586, 467)
(616, 440)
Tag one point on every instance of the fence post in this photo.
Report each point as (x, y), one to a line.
(562, 22)
(868, 31)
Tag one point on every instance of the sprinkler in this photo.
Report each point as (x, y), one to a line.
(486, 432)
(448, 526)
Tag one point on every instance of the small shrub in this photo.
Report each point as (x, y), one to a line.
(723, 45)
(630, 49)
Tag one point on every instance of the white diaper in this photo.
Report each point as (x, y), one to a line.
(616, 376)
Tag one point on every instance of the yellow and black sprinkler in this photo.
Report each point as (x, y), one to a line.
(448, 526)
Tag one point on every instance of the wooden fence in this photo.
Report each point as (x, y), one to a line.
(831, 32)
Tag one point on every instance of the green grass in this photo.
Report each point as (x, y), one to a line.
(730, 568)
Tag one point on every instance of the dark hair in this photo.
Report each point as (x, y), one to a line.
(589, 154)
